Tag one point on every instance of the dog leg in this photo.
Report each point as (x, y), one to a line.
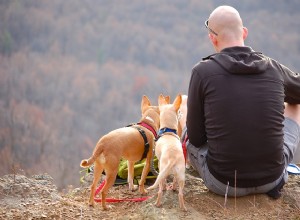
(144, 175)
(180, 196)
(165, 185)
(110, 180)
(97, 175)
(130, 175)
(159, 194)
(174, 185)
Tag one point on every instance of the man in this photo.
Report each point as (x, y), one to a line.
(243, 119)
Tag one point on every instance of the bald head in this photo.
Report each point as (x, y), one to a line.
(226, 21)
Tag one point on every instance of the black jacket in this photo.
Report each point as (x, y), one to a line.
(236, 104)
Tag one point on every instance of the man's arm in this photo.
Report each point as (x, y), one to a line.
(291, 85)
(195, 114)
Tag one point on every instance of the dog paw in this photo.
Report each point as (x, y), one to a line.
(143, 192)
(107, 207)
(183, 209)
(158, 204)
(91, 205)
(133, 188)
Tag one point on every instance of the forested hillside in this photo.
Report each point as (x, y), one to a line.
(70, 71)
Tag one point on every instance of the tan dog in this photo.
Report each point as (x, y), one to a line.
(127, 143)
(168, 150)
(182, 123)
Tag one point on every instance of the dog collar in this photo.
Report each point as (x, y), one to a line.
(164, 130)
(145, 125)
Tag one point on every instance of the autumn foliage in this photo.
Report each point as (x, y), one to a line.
(70, 71)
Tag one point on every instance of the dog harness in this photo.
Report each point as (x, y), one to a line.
(142, 132)
(145, 125)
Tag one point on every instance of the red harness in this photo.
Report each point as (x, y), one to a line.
(150, 128)
(142, 132)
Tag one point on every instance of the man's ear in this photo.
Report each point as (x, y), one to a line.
(245, 33)
(213, 39)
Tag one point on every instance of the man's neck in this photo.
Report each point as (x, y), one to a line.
(231, 44)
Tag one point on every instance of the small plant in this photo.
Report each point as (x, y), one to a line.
(14, 169)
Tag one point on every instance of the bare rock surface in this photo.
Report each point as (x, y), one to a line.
(36, 197)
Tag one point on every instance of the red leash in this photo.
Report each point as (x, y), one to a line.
(184, 146)
(117, 200)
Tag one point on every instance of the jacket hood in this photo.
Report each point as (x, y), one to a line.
(240, 60)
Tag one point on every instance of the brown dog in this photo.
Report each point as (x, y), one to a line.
(127, 143)
(168, 150)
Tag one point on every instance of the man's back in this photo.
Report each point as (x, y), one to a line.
(243, 115)
(242, 97)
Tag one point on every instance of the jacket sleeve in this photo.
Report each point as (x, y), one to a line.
(291, 86)
(195, 114)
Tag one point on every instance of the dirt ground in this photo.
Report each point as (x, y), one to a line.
(36, 197)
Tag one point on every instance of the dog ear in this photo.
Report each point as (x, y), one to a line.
(145, 103)
(167, 98)
(177, 102)
(161, 100)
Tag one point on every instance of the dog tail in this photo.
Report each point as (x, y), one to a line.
(87, 162)
(91, 160)
(162, 175)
